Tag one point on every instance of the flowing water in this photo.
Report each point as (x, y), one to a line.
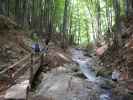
(85, 64)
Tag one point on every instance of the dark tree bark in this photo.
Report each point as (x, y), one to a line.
(64, 27)
(117, 35)
(129, 7)
(17, 11)
(3, 7)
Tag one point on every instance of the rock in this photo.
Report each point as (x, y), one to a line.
(130, 86)
(40, 98)
(72, 67)
(104, 97)
(80, 75)
(18, 91)
(100, 51)
(87, 54)
(105, 72)
(106, 84)
(64, 86)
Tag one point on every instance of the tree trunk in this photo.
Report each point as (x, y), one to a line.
(117, 38)
(3, 7)
(98, 17)
(64, 27)
(129, 7)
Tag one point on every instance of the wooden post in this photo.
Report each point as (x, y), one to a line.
(31, 68)
(41, 60)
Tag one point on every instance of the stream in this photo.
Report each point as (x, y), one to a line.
(85, 64)
(64, 83)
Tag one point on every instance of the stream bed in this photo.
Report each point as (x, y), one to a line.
(67, 82)
(86, 64)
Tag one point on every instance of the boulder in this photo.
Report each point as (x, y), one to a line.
(18, 91)
(100, 51)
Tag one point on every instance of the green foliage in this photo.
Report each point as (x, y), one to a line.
(59, 9)
(86, 19)
(90, 14)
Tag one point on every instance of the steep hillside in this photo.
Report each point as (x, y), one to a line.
(13, 42)
(122, 58)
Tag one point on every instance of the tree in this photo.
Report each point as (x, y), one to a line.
(65, 20)
(117, 38)
(73, 19)
(3, 7)
(129, 7)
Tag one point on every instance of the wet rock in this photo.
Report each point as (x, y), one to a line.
(43, 76)
(87, 54)
(64, 86)
(106, 84)
(80, 75)
(104, 97)
(73, 67)
(104, 72)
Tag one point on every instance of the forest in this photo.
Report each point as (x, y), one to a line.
(77, 21)
(66, 49)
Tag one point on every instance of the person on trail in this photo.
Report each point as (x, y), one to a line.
(35, 45)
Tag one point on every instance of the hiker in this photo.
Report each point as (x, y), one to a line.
(46, 45)
(115, 75)
(35, 46)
